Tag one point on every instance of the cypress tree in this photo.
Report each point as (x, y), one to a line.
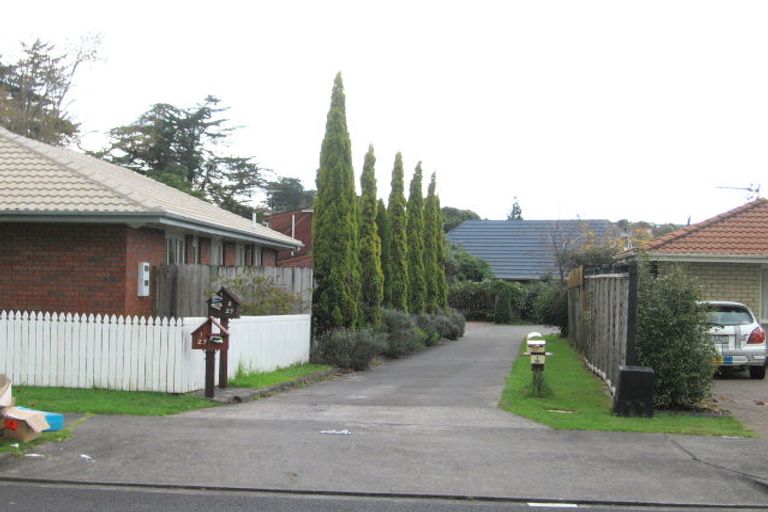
(385, 234)
(398, 249)
(442, 282)
(417, 283)
(335, 231)
(371, 276)
(431, 259)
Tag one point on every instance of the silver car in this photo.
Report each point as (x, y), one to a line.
(738, 337)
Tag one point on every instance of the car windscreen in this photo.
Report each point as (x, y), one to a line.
(722, 314)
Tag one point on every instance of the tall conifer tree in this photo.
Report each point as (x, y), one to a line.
(442, 282)
(335, 230)
(385, 233)
(399, 243)
(431, 259)
(371, 276)
(417, 284)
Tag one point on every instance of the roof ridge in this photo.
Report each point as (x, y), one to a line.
(694, 228)
(49, 152)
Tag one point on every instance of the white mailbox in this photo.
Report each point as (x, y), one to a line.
(143, 289)
(537, 348)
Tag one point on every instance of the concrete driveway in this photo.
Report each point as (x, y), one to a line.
(425, 425)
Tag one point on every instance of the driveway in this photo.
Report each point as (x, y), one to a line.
(746, 398)
(424, 425)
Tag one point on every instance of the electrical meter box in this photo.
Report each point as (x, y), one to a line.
(143, 275)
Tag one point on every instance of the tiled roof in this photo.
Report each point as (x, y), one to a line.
(742, 231)
(38, 179)
(523, 250)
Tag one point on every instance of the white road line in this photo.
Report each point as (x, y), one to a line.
(553, 505)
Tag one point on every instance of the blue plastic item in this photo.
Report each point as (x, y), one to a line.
(54, 419)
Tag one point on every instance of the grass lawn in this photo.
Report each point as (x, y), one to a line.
(259, 380)
(577, 400)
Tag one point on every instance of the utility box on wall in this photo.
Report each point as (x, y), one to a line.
(143, 289)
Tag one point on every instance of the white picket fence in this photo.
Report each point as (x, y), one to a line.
(137, 353)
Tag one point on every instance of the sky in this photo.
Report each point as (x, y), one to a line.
(591, 109)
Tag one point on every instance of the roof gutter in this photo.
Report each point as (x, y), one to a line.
(704, 258)
(143, 219)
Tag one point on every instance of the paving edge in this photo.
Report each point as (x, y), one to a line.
(240, 395)
(357, 494)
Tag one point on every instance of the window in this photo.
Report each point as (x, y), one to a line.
(256, 255)
(240, 255)
(217, 252)
(174, 250)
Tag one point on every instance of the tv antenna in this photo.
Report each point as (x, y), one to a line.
(753, 190)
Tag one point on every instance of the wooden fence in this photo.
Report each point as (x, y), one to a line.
(181, 290)
(137, 353)
(598, 320)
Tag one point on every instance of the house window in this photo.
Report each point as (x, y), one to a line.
(174, 250)
(217, 252)
(256, 255)
(240, 255)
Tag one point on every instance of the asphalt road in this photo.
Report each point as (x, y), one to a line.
(37, 498)
(426, 425)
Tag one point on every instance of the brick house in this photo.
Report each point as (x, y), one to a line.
(727, 254)
(296, 224)
(74, 230)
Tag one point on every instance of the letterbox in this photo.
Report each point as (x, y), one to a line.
(537, 347)
(224, 304)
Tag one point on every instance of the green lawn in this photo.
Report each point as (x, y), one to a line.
(577, 400)
(264, 380)
(103, 401)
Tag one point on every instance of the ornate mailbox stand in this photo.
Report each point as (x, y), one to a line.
(222, 306)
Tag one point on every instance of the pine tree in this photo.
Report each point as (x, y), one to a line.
(398, 249)
(385, 234)
(417, 285)
(371, 276)
(431, 244)
(335, 231)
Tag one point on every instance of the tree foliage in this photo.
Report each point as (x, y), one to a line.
(385, 234)
(462, 266)
(415, 210)
(34, 90)
(398, 277)
(516, 213)
(434, 271)
(181, 148)
(335, 230)
(672, 337)
(452, 217)
(287, 194)
(371, 276)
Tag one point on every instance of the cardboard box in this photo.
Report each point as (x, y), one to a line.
(55, 420)
(22, 426)
(6, 391)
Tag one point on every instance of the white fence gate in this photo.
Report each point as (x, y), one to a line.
(137, 353)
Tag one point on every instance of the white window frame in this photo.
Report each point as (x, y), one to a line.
(239, 255)
(256, 255)
(175, 249)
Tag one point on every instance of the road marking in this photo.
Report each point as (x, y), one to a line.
(553, 505)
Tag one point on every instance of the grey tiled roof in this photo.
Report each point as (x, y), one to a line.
(38, 179)
(523, 250)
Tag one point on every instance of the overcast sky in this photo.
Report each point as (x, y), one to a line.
(609, 109)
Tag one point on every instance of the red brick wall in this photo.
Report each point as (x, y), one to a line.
(282, 222)
(75, 268)
(143, 244)
(205, 251)
(230, 254)
(268, 257)
(62, 267)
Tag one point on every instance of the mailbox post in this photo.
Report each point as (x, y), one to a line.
(537, 349)
(224, 304)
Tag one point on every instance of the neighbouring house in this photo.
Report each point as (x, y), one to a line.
(727, 254)
(296, 224)
(527, 250)
(75, 232)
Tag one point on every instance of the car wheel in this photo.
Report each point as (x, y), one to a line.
(757, 372)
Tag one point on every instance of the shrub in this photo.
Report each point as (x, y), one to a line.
(262, 295)
(671, 337)
(477, 301)
(503, 310)
(347, 348)
(551, 307)
(451, 323)
(428, 324)
(402, 334)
